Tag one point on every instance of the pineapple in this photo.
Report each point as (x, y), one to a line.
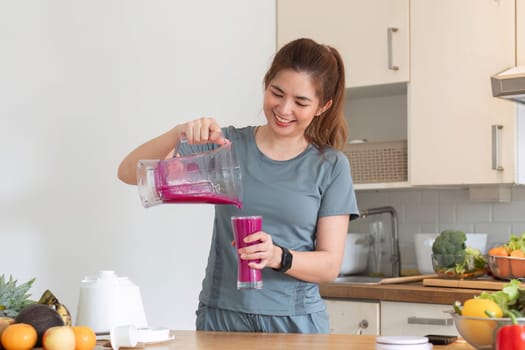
(13, 298)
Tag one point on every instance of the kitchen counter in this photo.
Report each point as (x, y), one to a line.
(408, 292)
(193, 340)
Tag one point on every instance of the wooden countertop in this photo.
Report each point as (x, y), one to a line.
(193, 340)
(407, 292)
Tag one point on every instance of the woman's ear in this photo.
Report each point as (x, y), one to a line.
(324, 108)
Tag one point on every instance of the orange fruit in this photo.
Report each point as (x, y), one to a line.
(517, 253)
(85, 338)
(19, 336)
(499, 251)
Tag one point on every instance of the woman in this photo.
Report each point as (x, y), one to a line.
(295, 177)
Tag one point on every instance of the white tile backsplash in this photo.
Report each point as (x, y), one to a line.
(430, 211)
(470, 212)
(421, 213)
(510, 212)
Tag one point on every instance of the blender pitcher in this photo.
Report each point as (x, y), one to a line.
(210, 177)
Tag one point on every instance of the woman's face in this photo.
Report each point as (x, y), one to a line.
(291, 103)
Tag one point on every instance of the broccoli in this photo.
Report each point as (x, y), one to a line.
(456, 259)
(449, 244)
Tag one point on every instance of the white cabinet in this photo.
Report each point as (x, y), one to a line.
(353, 317)
(389, 318)
(457, 133)
(520, 32)
(417, 319)
(369, 34)
(455, 47)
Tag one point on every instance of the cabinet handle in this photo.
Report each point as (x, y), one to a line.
(496, 147)
(362, 326)
(431, 321)
(390, 31)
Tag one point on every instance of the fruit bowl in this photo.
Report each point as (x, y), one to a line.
(507, 267)
(459, 266)
(480, 332)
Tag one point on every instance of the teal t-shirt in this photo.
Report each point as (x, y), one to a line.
(290, 196)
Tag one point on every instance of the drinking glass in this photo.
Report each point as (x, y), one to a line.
(247, 278)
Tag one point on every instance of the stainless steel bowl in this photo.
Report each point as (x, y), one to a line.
(480, 332)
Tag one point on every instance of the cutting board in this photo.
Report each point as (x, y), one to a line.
(483, 283)
(406, 279)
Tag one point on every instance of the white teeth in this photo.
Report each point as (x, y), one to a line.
(281, 119)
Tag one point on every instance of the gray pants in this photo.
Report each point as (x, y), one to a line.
(212, 319)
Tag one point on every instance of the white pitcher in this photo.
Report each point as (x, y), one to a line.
(107, 301)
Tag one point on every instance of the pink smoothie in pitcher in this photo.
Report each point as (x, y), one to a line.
(209, 177)
(171, 195)
(203, 191)
(247, 278)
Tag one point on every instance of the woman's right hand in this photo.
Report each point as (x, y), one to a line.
(202, 130)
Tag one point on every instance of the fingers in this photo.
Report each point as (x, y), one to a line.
(203, 130)
(259, 253)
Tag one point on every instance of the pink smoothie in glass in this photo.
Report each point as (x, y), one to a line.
(247, 278)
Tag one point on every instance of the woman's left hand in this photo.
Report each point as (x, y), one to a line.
(263, 250)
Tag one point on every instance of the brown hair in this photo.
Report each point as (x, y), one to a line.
(326, 69)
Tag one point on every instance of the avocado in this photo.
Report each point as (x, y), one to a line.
(41, 317)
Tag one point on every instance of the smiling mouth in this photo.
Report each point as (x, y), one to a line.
(282, 120)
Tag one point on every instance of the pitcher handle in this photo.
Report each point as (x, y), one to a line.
(184, 140)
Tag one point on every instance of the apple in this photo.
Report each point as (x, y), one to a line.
(59, 338)
(4, 322)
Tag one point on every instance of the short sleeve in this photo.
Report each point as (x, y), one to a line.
(338, 195)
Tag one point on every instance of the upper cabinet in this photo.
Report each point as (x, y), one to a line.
(458, 133)
(439, 100)
(372, 35)
(520, 32)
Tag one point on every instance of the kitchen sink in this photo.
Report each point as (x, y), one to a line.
(358, 279)
(363, 279)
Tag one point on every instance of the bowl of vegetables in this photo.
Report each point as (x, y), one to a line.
(480, 332)
(459, 266)
(507, 261)
(492, 318)
(451, 258)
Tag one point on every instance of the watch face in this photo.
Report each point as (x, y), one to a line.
(286, 261)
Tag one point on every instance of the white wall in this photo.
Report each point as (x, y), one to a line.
(84, 82)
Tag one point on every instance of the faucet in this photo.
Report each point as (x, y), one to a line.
(396, 255)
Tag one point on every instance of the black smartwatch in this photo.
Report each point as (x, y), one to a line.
(286, 260)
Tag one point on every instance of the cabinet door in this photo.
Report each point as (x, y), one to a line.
(520, 32)
(358, 29)
(353, 317)
(416, 319)
(456, 45)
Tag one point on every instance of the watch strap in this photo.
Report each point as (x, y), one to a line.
(286, 259)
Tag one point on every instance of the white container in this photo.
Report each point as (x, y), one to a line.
(402, 343)
(477, 240)
(355, 259)
(424, 242)
(107, 301)
(123, 336)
